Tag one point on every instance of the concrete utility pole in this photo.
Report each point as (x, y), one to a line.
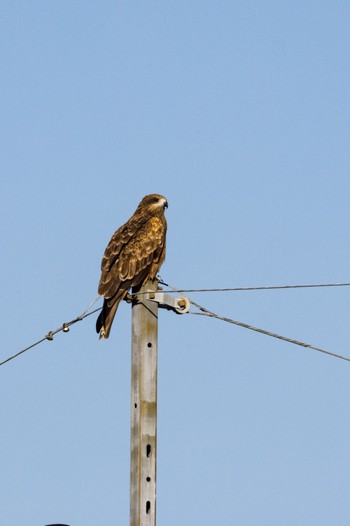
(144, 358)
(144, 368)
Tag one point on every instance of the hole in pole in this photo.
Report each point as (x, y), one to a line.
(148, 450)
(149, 344)
(148, 479)
(148, 507)
(135, 406)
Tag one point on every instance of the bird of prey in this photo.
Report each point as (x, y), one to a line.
(132, 257)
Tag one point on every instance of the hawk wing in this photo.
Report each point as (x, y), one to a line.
(132, 250)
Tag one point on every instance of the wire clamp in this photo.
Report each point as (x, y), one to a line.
(181, 304)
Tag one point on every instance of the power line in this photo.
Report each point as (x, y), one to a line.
(267, 287)
(204, 312)
(49, 336)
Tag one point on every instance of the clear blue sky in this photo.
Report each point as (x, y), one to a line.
(237, 112)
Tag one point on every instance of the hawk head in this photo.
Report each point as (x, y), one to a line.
(154, 202)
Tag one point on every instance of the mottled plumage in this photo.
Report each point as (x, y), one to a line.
(132, 257)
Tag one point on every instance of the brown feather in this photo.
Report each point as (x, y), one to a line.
(133, 256)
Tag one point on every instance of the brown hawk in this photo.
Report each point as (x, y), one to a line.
(132, 257)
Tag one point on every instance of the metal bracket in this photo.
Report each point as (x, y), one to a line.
(180, 305)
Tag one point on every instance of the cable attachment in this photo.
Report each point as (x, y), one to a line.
(65, 327)
(49, 336)
(181, 304)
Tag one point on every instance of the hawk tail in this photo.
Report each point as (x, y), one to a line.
(106, 316)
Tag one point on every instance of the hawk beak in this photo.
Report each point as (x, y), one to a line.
(166, 204)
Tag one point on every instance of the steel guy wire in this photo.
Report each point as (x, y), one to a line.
(206, 312)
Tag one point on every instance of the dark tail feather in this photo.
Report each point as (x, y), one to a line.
(106, 317)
